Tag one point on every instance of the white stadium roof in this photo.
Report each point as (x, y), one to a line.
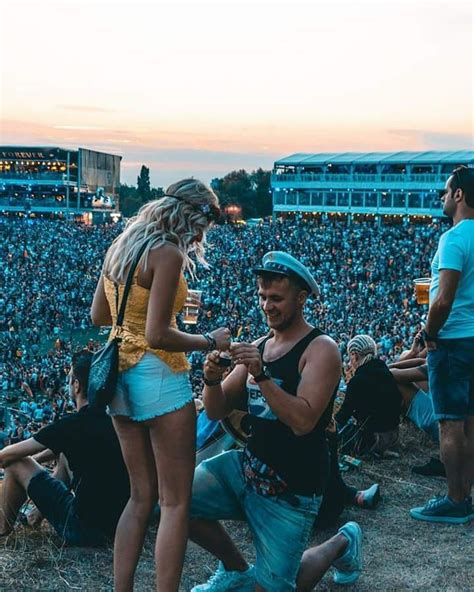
(430, 157)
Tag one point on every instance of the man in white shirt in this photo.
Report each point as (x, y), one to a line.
(449, 337)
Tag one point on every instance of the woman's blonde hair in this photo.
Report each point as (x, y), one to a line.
(180, 216)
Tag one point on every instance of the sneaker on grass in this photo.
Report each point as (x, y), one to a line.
(224, 581)
(443, 509)
(368, 498)
(349, 565)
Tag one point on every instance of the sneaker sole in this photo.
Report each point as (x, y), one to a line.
(442, 519)
(374, 502)
(346, 581)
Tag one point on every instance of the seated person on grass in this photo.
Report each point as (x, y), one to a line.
(85, 499)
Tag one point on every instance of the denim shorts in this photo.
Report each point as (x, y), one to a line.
(57, 504)
(451, 378)
(149, 389)
(281, 530)
(421, 413)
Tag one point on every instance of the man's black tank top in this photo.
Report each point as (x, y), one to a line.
(302, 461)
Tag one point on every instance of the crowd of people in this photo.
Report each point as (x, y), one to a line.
(281, 303)
(50, 268)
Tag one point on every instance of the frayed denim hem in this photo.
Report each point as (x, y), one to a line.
(148, 416)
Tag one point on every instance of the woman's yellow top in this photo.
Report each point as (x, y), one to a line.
(132, 332)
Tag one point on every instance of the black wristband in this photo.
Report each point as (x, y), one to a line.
(211, 342)
(212, 382)
(264, 375)
(427, 337)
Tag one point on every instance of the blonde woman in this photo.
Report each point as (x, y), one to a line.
(153, 409)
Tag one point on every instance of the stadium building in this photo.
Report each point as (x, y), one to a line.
(81, 183)
(395, 184)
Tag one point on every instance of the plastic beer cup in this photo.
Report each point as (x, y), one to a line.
(191, 307)
(422, 290)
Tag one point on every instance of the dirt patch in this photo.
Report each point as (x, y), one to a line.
(400, 553)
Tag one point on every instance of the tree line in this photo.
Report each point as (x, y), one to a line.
(249, 191)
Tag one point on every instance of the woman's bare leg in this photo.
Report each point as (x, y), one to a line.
(173, 437)
(137, 452)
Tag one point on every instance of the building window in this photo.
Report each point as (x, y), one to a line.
(279, 198)
(330, 199)
(371, 200)
(316, 199)
(357, 199)
(303, 199)
(291, 199)
(414, 200)
(343, 199)
(399, 200)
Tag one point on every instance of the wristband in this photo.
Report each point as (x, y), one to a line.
(211, 342)
(212, 382)
(427, 337)
(264, 375)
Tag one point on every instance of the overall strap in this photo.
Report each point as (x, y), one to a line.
(128, 283)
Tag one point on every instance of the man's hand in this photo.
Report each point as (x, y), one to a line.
(248, 355)
(34, 518)
(212, 370)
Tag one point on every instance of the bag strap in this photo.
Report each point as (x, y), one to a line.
(128, 283)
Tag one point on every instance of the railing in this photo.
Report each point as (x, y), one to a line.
(357, 178)
(380, 211)
(27, 178)
(25, 203)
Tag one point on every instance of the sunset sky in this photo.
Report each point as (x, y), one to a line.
(202, 88)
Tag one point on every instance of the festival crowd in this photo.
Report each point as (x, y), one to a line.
(50, 267)
(312, 323)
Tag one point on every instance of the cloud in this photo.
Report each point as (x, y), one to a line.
(166, 166)
(78, 127)
(85, 109)
(432, 139)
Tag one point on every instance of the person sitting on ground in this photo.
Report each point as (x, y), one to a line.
(85, 509)
(372, 399)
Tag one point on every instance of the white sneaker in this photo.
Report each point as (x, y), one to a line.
(349, 566)
(224, 581)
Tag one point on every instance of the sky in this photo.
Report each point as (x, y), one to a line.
(202, 88)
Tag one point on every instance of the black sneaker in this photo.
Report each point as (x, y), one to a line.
(433, 468)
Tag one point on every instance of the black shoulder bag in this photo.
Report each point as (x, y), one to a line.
(105, 361)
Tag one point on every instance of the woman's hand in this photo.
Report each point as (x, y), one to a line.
(222, 337)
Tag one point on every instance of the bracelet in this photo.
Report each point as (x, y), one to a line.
(427, 337)
(212, 382)
(211, 342)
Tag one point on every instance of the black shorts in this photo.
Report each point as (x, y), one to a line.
(57, 504)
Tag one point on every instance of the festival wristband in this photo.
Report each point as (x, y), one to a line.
(212, 382)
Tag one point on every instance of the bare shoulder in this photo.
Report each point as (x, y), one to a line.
(165, 253)
(324, 347)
